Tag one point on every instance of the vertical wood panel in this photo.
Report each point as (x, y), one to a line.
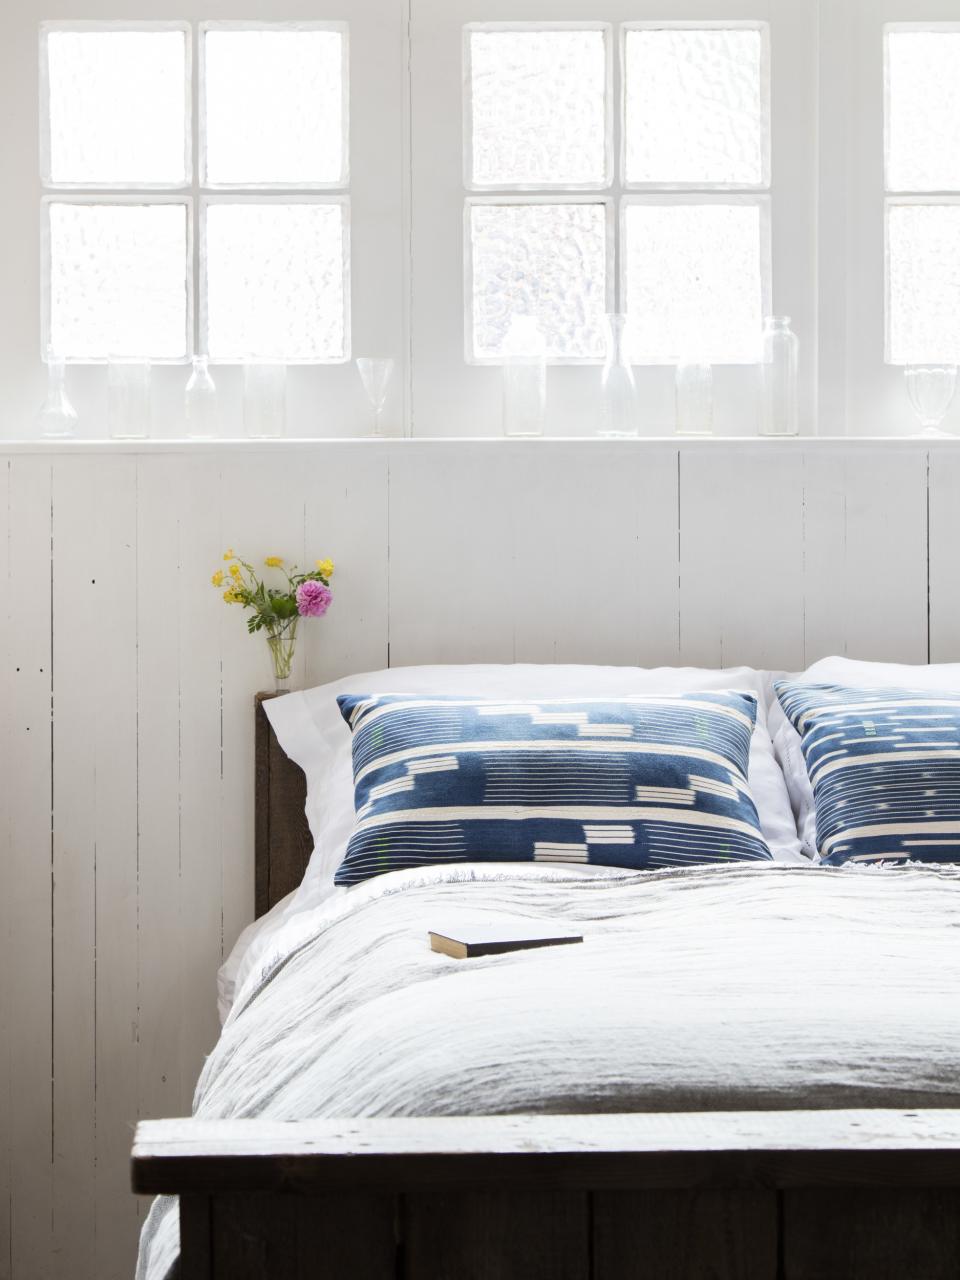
(865, 572)
(944, 556)
(670, 1235)
(161, 1091)
(594, 555)
(741, 557)
(7, 1029)
(490, 1235)
(27, 879)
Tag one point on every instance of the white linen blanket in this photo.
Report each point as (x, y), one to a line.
(706, 988)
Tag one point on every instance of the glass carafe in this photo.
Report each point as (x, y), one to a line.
(619, 402)
(57, 419)
(201, 410)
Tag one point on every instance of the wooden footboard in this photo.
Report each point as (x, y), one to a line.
(802, 1195)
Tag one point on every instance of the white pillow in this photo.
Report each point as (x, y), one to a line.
(312, 732)
(858, 675)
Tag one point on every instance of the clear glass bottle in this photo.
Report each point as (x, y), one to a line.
(779, 386)
(694, 393)
(619, 402)
(264, 399)
(524, 378)
(57, 419)
(200, 405)
(129, 407)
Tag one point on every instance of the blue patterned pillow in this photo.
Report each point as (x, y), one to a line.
(884, 765)
(646, 782)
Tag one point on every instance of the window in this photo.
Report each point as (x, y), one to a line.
(693, 246)
(922, 193)
(241, 204)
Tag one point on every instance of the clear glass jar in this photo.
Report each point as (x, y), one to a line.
(524, 378)
(619, 402)
(779, 385)
(694, 394)
(57, 419)
(201, 408)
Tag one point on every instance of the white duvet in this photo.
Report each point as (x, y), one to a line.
(707, 988)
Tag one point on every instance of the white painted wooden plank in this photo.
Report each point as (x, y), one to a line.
(944, 496)
(27, 874)
(594, 563)
(865, 571)
(160, 1087)
(346, 520)
(741, 558)
(7, 963)
(451, 557)
(198, 948)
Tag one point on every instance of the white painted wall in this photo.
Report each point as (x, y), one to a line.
(126, 741)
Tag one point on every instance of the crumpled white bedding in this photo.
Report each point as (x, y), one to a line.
(737, 987)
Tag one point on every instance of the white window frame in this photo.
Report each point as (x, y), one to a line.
(194, 193)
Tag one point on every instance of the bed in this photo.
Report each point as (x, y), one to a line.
(693, 1109)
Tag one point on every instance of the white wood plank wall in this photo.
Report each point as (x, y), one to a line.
(126, 865)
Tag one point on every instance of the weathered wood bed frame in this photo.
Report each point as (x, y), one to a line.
(828, 1195)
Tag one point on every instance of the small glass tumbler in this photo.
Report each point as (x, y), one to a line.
(264, 400)
(931, 388)
(129, 407)
(694, 391)
(376, 374)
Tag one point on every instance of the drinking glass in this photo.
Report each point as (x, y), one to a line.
(376, 373)
(264, 399)
(931, 390)
(129, 410)
(694, 391)
(524, 378)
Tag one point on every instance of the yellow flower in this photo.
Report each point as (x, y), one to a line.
(217, 578)
(234, 571)
(231, 596)
(325, 568)
(274, 562)
(229, 554)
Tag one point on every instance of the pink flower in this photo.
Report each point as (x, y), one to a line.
(313, 599)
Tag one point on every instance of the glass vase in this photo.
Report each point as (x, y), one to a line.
(282, 643)
(200, 402)
(619, 402)
(524, 378)
(264, 399)
(129, 408)
(779, 385)
(694, 391)
(57, 419)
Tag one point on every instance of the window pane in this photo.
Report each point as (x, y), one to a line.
(923, 283)
(693, 280)
(118, 281)
(923, 110)
(275, 281)
(695, 107)
(543, 260)
(274, 107)
(117, 107)
(538, 108)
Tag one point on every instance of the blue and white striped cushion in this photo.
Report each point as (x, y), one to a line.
(884, 765)
(643, 782)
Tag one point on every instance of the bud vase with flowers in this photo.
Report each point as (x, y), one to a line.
(278, 607)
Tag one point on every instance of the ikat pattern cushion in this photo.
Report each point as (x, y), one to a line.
(646, 782)
(884, 765)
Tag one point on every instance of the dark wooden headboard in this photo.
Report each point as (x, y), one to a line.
(283, 841)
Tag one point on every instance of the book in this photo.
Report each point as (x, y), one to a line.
(467, 941)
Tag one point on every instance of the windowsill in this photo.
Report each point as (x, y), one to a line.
(683, 443)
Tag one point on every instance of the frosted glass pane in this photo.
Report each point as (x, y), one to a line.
(118, 280)
(693, 283)
(538, 107)
(274, 107)
(117, 107)
(275, 285)
(923, 111)
(695, 107)
(543, 260)
(923, 283)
